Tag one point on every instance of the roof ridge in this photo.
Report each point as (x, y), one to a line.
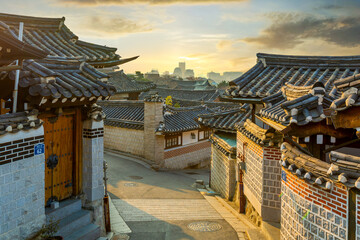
(307, 57)
(30, 19)
(221, 113)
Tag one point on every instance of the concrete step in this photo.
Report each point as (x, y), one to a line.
(271, 230)
(66, 208)
(73, 222)
(88, 232)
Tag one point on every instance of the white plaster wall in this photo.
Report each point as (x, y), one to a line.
(187, 137)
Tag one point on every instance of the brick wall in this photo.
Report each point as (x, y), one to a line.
(132, 141)
(262, 177)
(253, 177)
(272, 177)
(222, 173)
(358, 217)
(186, 156)
(22, 189)
(308, 212)
(154, 147)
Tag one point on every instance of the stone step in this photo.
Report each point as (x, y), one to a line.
(65, 209)
(73, 222)
(88, 232)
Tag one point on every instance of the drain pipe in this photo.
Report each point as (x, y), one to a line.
(17, 76)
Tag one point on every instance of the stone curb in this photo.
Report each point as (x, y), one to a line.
(241, 217)
(129, 157)
(118, 225)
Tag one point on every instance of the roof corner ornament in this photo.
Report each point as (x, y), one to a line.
(263, 61)
(96, 113)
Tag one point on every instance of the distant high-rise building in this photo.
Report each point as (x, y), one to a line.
(178, 72)
(214, 76)
(229, 76)
(189, 73)
(182, 67)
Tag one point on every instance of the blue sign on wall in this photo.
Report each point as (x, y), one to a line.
(39, 149)
(283, 176)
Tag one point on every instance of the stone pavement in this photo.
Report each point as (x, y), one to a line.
(164, 205)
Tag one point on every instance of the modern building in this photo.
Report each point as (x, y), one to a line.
(214, 76)
(189, 73)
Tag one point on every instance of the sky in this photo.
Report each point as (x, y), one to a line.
(209, 35)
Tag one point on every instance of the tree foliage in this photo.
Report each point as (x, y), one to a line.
(168, 101)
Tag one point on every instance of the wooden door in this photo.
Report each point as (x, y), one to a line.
(59, 157)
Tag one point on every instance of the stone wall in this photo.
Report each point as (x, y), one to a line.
(272, 183)
(187, 156)
(309, 212)
(132, 141)
(253, 177)
(22, 189)
(223, 178)
(262, 177)
(93, 173)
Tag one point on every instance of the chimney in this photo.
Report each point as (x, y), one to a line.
(153, 116)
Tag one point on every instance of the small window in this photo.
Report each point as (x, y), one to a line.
(205, 134)
(173, 141)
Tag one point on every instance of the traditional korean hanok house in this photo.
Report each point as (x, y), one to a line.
(126, 88)
(169, 137)
(223, 148)
(197, 95)
(52, 148)
(52, 35)
(320, 156)
(257, 140)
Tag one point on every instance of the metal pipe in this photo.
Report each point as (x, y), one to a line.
(17, 76)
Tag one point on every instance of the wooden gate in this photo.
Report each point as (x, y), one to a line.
(59, 157)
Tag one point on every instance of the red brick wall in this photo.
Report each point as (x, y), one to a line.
(335, 201)
(309, 211)
(187, 149)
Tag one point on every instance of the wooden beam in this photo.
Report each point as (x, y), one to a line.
(317, 128)
(10, 68)
(342, 145)
(349, 118)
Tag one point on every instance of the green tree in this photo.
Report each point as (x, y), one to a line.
(223, 85)
(168, 101)
(177, 105)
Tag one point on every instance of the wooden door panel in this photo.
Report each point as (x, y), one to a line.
(59, 140)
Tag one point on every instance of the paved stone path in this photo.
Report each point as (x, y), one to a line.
(165, 209)
(162, 205)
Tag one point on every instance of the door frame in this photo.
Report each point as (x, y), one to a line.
(78, 145)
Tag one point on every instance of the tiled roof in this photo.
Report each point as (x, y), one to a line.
(66, 79)
(298, 105)
(212, 105)
(14, 122)
(192, 85)
(53, 36)
(124, 84)
(271, 72)
(267, 137)
(221, 142)
(203, 95)
(13, 49)
(343, 168)
(124, 114)
(224, 120)
(350, 96)
(181, 119)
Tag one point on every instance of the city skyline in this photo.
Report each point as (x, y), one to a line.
(214, 36)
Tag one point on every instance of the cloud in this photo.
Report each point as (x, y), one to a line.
(289, 30)
(115, 25)
(152, 2)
